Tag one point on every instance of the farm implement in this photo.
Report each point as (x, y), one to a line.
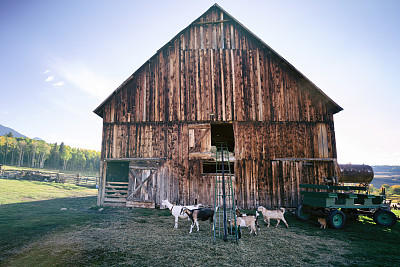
(338, 203)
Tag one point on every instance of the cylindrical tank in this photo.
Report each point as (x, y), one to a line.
(349, 173)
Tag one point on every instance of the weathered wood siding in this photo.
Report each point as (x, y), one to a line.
(262, 150)
(201, 72)
(253, 140)
(216, 71)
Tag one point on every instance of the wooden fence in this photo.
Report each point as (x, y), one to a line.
(57, 177)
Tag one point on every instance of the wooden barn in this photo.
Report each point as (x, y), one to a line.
(215, 81)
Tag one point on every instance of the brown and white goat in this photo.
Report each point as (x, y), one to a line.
(239, 214)
(273, 214)
(246, 221)
(199, 214)
(395, 206)
(177, 211)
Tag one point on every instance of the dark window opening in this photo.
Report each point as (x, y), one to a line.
(117, 172)
(223, 132)
(212, 168)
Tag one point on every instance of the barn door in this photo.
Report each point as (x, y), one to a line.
(199, 138)
(200, 141)
(141, 185)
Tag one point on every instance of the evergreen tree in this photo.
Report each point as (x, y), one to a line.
(55, 157)
(65, 155)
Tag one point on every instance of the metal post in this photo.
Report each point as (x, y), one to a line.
(224, 195)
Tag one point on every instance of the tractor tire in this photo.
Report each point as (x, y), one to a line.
(336, 219)
(385, 218)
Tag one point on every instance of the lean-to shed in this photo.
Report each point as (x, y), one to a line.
(215, 81)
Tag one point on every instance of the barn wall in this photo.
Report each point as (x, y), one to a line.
(265, 172)
(226, 83)
(275, 183)
(216, 71)
(232, 76)
(253, 140)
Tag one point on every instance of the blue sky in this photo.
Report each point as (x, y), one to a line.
(60, 59)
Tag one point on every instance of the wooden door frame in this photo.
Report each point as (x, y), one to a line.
(141, 182)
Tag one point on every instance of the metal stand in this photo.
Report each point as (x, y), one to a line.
(224, 205)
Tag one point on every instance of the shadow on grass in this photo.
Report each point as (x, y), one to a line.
(370, 243)
(22, 222)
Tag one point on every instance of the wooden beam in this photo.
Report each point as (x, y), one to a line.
(134, 159)
(210, 22)
(304, 159)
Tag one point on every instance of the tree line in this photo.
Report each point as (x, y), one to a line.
(26, 152)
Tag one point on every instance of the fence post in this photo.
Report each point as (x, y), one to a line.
(78, 178)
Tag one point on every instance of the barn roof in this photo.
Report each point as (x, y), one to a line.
(334, 106)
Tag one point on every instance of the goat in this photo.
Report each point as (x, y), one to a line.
(395, 206)
(273, 214)
(199, 214)
(177, 211)
(239, 214)
(246, 221)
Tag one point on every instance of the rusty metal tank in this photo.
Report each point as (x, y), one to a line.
(351, 173)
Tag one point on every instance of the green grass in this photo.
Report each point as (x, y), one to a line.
(40, 234)
(394, 198)
(17, 191)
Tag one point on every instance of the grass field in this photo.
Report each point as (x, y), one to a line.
(17, 191)
(38, 233)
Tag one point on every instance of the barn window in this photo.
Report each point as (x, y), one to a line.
(222, 132)
(210, 167)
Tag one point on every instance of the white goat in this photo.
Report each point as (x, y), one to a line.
(273, 214)
(177, 211)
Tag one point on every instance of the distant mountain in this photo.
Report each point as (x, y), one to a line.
(386, 175)
(6, 130)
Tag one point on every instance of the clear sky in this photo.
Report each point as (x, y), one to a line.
(60, 59)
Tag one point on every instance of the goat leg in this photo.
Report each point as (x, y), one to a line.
(285, 223)
(176, 222)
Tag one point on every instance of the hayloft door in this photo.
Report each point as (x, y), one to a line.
(200, 141)
(141, 186)
(199, 138)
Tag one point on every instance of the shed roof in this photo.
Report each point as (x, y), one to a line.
(334, 106)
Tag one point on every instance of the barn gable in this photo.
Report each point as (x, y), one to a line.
(201, 35)
(215, 81)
